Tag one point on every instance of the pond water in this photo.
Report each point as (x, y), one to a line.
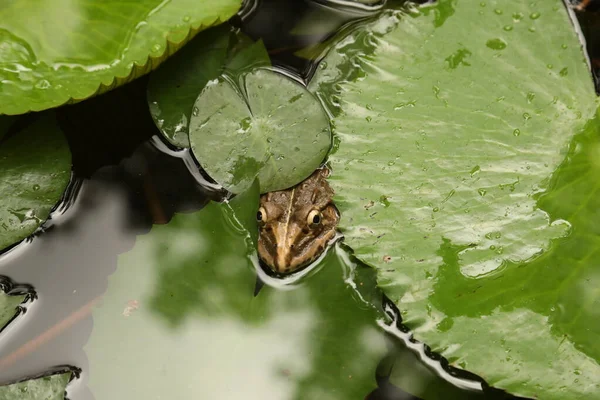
(144, 286)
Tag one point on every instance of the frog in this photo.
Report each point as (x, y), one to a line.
(296, 225)
(585, 5)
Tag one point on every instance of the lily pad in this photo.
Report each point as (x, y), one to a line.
(192, 316)
(447, 139)
(11, 297)
(8, 307)
(175, 86)
(267, 127)
(53, 52)
(47, 388)
(35, 168)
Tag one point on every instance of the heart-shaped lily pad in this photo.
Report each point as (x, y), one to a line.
(175, 86)
(265, 126)
(35, 168)
(53, 52)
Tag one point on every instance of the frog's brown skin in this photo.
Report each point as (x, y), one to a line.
(289, 239)
(583, 5)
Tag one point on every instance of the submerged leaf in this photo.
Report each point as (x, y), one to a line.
(54, 52)
(35, 168)
(267, 127)
(447, 136)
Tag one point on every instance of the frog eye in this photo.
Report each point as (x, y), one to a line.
(261, 215)
(314, 218)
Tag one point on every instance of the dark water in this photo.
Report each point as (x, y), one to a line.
(123, 185)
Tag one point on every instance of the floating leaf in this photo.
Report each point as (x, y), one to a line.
(8, 307)
(58, 52)
(35, 168)
(175, 86)
(11, 298)
(46, 388)
(271, 128)
(192, 317)
(447, 136)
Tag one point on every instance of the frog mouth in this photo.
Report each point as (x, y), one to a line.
(280, 279)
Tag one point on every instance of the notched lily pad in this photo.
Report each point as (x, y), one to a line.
(175, 86)
(35, 168)
(53, 53)
(265, 126)
(447, 137)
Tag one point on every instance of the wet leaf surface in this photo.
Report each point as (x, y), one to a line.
(8, 307)
(265, 126)
(180, 313)
(35, 168)
(447, 141)
(56, 52)
(46, 388)
(174, 87)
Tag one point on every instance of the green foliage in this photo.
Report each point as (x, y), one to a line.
(50, 387)
(55, 52)
(263, 126)
(174, 87)
(446, 138)
(35, 168)
(465, 167)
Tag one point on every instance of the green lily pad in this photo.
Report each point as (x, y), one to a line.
(50, 387)
(192, 317)
(447, 137)
(35, 168)
(175, 86)
(8, 307)
(268, 127)
(53, 52)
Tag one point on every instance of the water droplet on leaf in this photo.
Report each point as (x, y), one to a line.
(496, 44)
(43, 84)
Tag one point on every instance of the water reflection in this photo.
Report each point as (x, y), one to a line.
(180, 311)
(68, 266)
(196, 321)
